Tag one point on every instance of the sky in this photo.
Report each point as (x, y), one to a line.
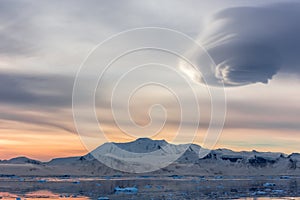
(254, 46)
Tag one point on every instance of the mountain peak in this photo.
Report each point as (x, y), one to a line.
(149, 140)
(142, 145)
(21, 160)
(144, 139)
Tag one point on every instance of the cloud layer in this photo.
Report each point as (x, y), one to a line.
(43, 43)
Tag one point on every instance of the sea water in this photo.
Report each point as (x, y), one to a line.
(148, 187)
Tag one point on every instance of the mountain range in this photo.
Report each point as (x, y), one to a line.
(216, 162)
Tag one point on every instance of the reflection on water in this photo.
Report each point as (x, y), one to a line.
(41, 194)
(45, 194)
(174, 187)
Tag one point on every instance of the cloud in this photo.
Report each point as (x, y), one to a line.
(252, 44)
(36, 90)
(59, 120)
(40, 99)
(18, 31)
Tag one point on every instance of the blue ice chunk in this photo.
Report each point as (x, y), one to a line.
(103, 198)
(269, 184)
(126, 190)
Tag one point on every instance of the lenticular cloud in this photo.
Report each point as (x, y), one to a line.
(252, 44)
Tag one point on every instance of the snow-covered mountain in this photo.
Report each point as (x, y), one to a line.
(20, 160)
(217, 162)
